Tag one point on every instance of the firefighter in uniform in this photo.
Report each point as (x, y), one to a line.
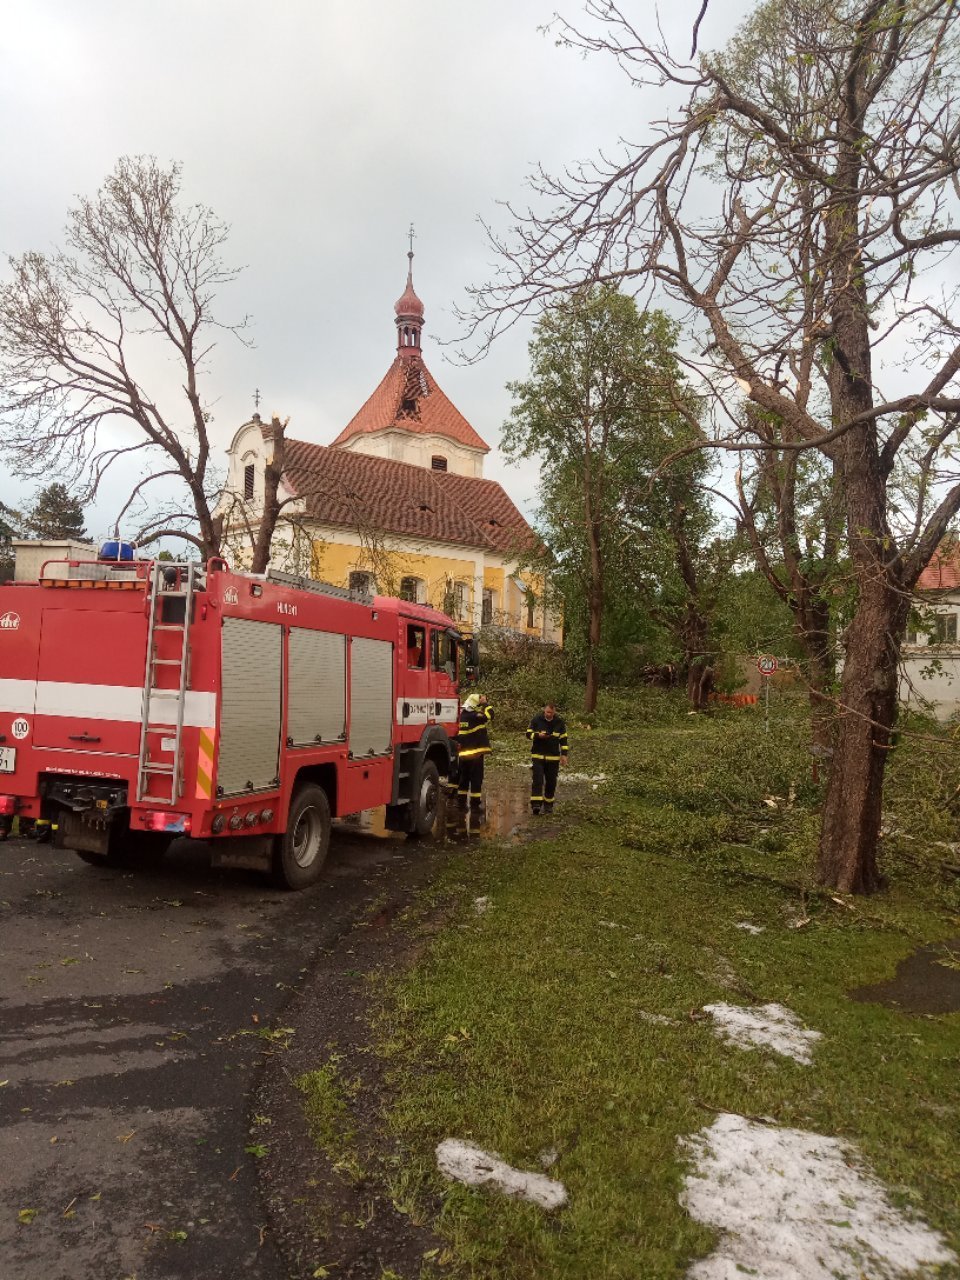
(548, 750)
(473, 742)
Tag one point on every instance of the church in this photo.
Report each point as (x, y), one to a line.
(397, 503)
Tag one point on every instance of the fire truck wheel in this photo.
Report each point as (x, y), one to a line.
(426, 800)
(302, 849)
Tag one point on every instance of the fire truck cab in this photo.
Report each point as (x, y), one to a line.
(142, 701)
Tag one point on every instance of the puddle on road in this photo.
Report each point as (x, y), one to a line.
(923, 982)
(506, 814)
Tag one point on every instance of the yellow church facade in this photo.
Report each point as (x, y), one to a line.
(397, 503)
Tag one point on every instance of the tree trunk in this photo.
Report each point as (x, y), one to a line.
(696, 659)
(595, 601)
(592, 690)
(272, 475)
(813, 632)
(850, 829)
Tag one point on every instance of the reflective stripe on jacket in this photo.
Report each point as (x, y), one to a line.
(473, 737)
(554, 745)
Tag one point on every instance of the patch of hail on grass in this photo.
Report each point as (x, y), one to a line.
(480, 905)
(747, 927)
(585, 777)
(768, 1026)
(463, 1162)
(656, 1019)
(794, 1205)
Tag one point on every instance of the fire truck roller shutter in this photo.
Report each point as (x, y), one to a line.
(250, 705)
(371, 697)
(317, 710)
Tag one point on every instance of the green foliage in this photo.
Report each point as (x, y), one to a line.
(55, 514)
(751, 619)
(520, 675)
(10, 528)
(633, 547)
(568, 1015)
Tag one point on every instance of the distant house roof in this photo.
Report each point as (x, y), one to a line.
(408, 398)
(943, 571)
(340, 487)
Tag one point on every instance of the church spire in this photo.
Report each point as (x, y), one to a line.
(409, 312)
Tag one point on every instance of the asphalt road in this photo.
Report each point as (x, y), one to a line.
(135, 1010)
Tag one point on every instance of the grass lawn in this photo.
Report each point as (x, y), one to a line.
(568, 1015)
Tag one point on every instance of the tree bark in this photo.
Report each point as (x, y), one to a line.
(272, 475)
(595, 601)
(850, 830)
(592, 690)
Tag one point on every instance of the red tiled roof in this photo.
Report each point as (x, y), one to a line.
(354, 490)
(943, 571)
(409, 398)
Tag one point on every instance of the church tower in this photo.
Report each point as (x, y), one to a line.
(408, 418)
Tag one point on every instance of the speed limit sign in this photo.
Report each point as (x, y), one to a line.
(766, 664)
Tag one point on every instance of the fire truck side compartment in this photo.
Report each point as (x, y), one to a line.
(317, 710)
(371, 697)
(250, 706)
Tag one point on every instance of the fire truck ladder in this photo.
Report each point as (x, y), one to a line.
(163, 706)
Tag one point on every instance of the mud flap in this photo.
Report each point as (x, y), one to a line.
(244, 853)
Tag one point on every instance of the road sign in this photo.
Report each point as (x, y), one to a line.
(766, 664)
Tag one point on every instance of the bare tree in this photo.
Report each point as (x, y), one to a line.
(82, 332)
(800, 206)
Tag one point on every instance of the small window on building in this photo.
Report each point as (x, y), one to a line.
(362, 582)
(531, 606)
(444, 653)
(486, 615)
(417, 647)
(945, 628)
(438, 462)
(408, 406)
(461, 597)
(248, 475)
(410, 589)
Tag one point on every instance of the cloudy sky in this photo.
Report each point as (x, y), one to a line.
(318, 129)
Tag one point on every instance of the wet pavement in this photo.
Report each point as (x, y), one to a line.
(137, 1012)
(136, 1009)
(928, 981)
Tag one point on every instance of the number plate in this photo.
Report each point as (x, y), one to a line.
(8, 759)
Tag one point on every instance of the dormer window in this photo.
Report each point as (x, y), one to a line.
(438, 462)
(248, 477)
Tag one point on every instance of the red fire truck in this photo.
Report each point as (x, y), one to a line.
(142, 701)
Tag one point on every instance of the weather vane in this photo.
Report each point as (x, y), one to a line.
(256, 397)
(411, 233)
